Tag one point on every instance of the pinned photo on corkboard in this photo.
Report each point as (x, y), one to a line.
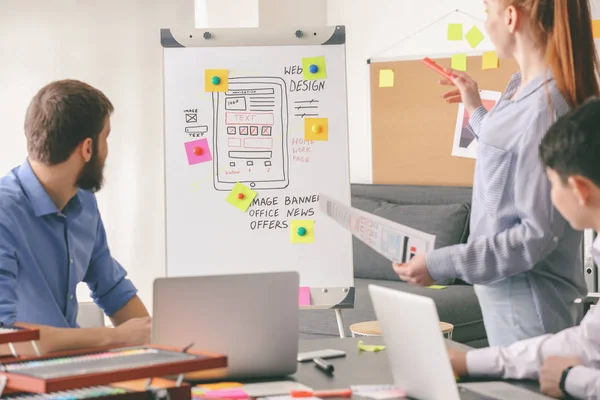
(465, 144)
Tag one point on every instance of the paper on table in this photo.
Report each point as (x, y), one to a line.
(369, 347)
(386, 78)
(219, 385)
(438, 287)
(396, 242)
(263, 389)
(384, 394)
(232, 393)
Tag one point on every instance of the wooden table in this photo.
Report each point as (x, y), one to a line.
(372, 328)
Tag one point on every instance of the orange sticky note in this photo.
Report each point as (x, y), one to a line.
(316, 129)
(489, 60)
(302, 231)
(216, 80)
(596, 28)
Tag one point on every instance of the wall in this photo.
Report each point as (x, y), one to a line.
(226, 13)
(115, 46)
(284, 13)
(376, 25)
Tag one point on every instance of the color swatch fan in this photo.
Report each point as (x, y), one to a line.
(84, 369)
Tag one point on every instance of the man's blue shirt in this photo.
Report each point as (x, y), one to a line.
(45, 254)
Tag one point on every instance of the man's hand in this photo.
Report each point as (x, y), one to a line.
(458, 359)
(415, 271)
(135, 331)
(551, 372)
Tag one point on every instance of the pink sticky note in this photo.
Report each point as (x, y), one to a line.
(304, 296)
(226, 394)
(197, 151)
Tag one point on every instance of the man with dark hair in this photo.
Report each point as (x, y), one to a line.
(51, 232)
(566, 363)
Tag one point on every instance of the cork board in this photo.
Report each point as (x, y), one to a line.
(413, 127)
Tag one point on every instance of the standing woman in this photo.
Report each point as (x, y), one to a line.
(522, 257)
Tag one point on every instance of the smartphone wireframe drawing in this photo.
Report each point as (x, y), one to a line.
(250, 136)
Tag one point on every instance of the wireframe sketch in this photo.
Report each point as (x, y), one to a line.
(396, 242)
(250, 123)
(465, 144)
(306, 108)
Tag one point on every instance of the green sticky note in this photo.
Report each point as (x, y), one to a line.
(316, 64)
(437, 287)
(369, 347)
(455, 31)
(241, 196)
(459, 62)
(474, 37)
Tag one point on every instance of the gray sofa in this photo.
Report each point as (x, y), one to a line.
(442, 211)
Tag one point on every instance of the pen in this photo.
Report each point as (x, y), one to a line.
(322, 393)
(323, 365)
(432, 64)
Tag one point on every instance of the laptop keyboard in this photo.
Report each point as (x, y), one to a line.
(496, 391)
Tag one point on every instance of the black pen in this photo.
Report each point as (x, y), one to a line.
(323, 365)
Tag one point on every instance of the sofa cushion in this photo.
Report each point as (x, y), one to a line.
(456, 304)
(447, 222)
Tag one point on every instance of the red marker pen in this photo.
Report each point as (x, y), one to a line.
(434, 66)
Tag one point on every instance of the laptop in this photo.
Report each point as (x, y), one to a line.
(251, 318)
(417, 351)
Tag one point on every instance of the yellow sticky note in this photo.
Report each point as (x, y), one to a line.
(455, 31)
(369, 347)
(316, 129)
(219, 386)
(474, 37)
(314, 68)
(437, 287)
(216, 80)
(302, 231)
(459, 62)
(596, 28)
(241, 196)
(489, 60)
(386, 78)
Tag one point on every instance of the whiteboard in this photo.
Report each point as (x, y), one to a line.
(249, 127)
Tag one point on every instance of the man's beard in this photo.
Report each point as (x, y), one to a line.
(91, 177)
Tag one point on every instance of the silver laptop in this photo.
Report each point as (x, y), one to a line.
(417, 352)
(251, 318)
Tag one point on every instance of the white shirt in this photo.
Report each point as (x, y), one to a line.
(523, 360)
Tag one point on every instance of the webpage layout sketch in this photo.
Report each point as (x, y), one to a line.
(396, 242)
(250, 137)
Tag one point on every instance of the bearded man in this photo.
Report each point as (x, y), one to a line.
(51, 232)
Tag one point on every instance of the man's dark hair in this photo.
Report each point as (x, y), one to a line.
(572, 144)
(61, 116)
